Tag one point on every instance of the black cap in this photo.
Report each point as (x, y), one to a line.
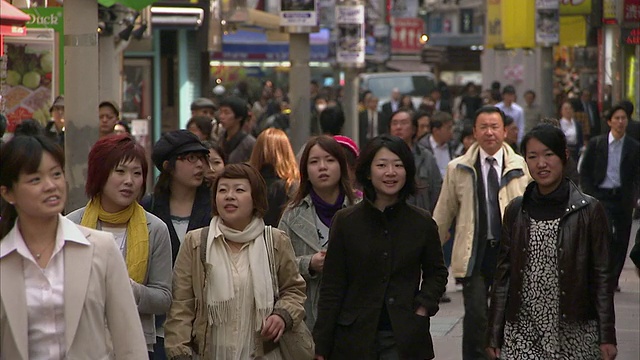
(203, 103)
(509, 90)
(175, 143)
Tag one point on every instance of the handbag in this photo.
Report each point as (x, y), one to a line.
(297, 343)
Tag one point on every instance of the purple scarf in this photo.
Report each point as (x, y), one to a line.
(324, 210)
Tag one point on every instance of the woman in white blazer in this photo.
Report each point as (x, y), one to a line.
(64, 289)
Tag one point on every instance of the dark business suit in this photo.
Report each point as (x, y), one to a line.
(377, 285)
(618, 203)
(386, 111)
(363, 128)
(590, 108)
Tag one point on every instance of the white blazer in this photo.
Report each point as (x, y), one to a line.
(101, 318)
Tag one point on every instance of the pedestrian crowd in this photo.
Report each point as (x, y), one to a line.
(245, 250)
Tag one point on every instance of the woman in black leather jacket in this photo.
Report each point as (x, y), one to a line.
(552, 296)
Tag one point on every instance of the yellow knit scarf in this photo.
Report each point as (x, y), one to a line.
(137, 258)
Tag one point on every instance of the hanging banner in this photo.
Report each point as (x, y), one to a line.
(576, 7)
(609, 10)
(466, 21)
(351, 41)
(493, 36)
(547, 22)
(573, 31)
(298, 13)
(631, 11)
(405, 38)
(518, 31)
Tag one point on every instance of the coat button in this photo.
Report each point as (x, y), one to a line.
(391, 301)
(562, 272)
(385, 254)
(564, 316)
(563, 293)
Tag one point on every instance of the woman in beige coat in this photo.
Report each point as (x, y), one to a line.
(64, 289)
(224, 304)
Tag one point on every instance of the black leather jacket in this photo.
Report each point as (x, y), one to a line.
(586, 291)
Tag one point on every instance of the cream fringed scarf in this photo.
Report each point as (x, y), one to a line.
(221, 300)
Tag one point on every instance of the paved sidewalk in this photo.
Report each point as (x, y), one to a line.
(446, 326)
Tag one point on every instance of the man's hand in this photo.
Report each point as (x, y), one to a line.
(317, 261)
(421, 311)
(493, 353)
(272, 328)
(608, 351)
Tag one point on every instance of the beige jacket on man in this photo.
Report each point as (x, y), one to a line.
(458, 200)
(186, 330)
(98, 300)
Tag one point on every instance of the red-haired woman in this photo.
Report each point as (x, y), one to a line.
(115, 182)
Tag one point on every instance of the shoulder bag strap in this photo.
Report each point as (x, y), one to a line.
(268, 239)
(203, 245)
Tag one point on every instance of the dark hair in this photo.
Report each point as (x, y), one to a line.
(467, 130)
(203, 123)
(3, 125)
(617, 107)
(125, 125)
(530, 92)
(112, 105)
(420, 114)
(237, 105)
(109, 152)
(551, 136)
(215, 146)
(508, 120)
(29, 127)
(331, 120)
(439, 118)
(22, 154)
(495, 95)
(330, 145)
(397, 146)
(256, 182)
(628, 105)
(489, 110)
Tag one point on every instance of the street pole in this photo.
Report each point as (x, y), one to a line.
(350, 103)
(546, 81)
(299, 91)
(81, 93)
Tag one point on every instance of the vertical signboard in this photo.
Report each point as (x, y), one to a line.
(609, 10)
(466, 21)
(576, 7)
(298, 13)
(493, 36)
(351, 42)
(547, 22)
(631, 11)
(405, 38)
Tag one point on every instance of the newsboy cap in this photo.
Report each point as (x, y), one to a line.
(203, 103)
(175, 143)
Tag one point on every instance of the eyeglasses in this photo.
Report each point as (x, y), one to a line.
(194, 157)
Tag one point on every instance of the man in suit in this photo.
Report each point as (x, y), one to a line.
(439, 141)
(371, 122)
(476, 190)
(590, 108)
(610, 172)
(509, 107)
(391, 106)
(439, 103)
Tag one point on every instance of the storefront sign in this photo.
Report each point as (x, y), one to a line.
(466, 21)
(494, 23)
(576, 7)
(350, 46)
(518, 23)
(631, 36)
(403, 8)
(609, 9)
(631, 11)
(405, 36)
(547, 22)
(51, 18)
(298, 13)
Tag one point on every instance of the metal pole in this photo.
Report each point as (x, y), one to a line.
(299, 81)
(350, 103)
(81, 87)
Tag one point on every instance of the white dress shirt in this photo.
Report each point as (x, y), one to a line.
(517, 113)
(570, 131)
(44, 290)
(614, 156)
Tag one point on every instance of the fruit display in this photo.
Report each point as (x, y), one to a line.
(28, 83)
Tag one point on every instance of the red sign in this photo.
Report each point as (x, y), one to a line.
(631, 36)
(631, 11)
(405, 35)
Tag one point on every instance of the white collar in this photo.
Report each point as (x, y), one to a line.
(67, 231)
(499, 156)
(434, 143)
(612, 139)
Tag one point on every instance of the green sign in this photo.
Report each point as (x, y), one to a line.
(134, 4)
(50, 18)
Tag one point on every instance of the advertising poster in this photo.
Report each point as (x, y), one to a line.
(405, 38)
(298, 13)
(547, 22)
(29, 79)
(350, 38)
(631, 11)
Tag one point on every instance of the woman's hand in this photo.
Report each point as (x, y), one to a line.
(272, 328)
(493, 353)
(317, 261)
(608, 351)
(421, 311)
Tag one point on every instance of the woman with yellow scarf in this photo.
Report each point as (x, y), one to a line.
(115, 182)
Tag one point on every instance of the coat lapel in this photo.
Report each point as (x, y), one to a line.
(77, 270)
(14, 300)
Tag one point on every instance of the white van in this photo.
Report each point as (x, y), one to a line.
(416, 84)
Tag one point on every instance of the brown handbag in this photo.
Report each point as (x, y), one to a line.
(297, 343)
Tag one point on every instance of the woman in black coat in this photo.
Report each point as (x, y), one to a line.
(384, 271)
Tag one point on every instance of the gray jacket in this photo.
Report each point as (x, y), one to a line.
(154, 296)
(299, 223)
(428, 178)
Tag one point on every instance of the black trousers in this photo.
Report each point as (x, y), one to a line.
(620, 220)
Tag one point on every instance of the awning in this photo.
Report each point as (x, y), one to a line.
(12, 22)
